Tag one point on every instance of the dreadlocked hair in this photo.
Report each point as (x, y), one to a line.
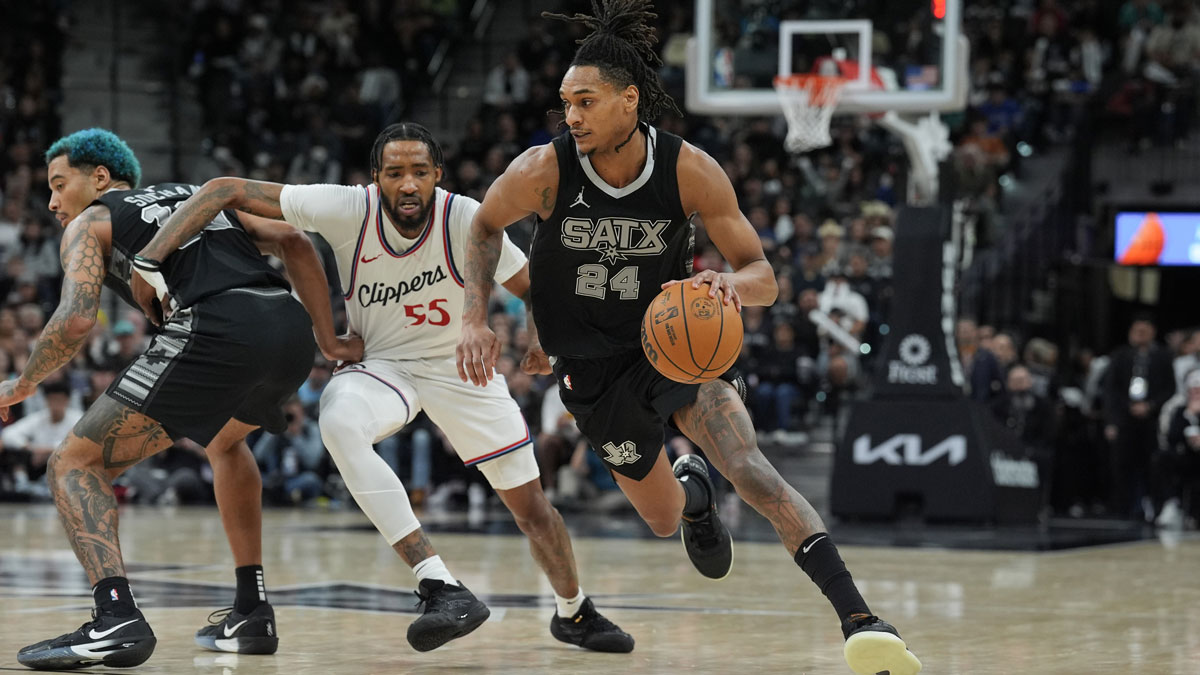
(621, 45)
(405, 131)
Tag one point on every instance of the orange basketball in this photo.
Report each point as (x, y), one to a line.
(690, 337)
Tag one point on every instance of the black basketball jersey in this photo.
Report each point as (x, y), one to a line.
(221, 257)
(598, 261)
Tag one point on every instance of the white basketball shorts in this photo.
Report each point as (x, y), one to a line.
(483, 424)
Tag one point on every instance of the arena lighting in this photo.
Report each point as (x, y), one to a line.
(939, 8)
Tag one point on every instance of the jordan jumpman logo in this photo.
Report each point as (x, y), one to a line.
(579, 200)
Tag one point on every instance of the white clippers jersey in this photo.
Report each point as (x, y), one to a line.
(404, 297)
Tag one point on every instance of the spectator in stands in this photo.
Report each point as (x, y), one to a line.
(129, 346)
(1187, 358)
(1139, 14)
(507, 84)
(859, 279)
(310, 392)
(1028, 415)
(1004, 347)
(1041, 357)
(293, 462)
(777, 390)
(990, 146)
(1081, 455)
(756, 339)
(1178, 465)
(880, 262)
(832, 237)
(979, 364)
(555, 444)
(841, 299)
(1139, 381)
(28, 442)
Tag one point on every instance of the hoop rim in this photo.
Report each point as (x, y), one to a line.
(803, 80)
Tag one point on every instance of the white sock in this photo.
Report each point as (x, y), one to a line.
(433, 568)
(569, 608)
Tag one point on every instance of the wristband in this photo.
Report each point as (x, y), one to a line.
(146, 264)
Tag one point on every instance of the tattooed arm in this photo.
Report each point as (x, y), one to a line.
(193, 215)
(83, 250)
(528, 185)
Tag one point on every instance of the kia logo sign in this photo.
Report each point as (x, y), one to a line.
(908, 450)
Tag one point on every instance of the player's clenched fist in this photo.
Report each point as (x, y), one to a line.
(477, 352)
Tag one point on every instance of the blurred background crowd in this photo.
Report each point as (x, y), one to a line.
(295, 93)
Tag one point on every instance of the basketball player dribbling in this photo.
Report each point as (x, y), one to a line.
(399, 245)
(215, 373)
(615, 198)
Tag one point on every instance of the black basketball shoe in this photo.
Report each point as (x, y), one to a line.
(106, 640)
(229, 631)
(590, 630)
(874, 646)
(705, 537)
(450, 612)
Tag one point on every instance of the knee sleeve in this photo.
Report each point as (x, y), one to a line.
(347, 429)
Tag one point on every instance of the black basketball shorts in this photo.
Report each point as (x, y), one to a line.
(621, 404)
(239, 354)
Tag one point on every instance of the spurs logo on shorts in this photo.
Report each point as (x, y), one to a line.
(626, 453)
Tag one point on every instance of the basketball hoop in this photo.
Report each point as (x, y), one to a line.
(808, 103)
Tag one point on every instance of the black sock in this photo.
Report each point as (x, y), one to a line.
(819, 558)
(696, 500)
(112, 596)
(251, 589)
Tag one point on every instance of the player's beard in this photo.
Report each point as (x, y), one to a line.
(409, 227)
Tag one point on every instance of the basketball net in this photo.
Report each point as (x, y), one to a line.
(808, 103)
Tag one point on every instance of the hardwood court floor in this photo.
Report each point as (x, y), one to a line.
(343, 602)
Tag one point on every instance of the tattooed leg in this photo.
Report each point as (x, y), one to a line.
(124, 435)
(80, 473)
(718, 422)
(414, 548)
(549, 542)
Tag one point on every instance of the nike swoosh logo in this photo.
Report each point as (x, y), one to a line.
(805, 549)
(230, 630)
(96, 635)
(364, 259)
(463, 616)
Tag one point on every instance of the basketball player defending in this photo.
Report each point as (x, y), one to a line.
(217, 371)
(616, 198)
(399, 245)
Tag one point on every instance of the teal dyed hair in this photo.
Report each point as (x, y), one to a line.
(99, 147)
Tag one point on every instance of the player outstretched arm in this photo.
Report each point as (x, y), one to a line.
(82, 252)
(304, 269)
(251, 196)
(706, 191)
(528, 185)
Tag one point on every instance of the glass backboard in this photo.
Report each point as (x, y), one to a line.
(911, 49)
